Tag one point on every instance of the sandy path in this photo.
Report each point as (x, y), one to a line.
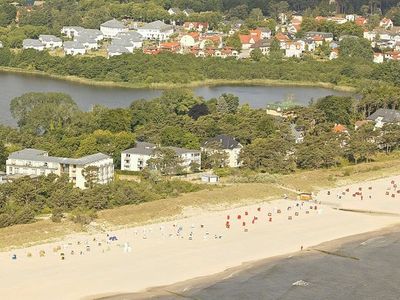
(165, 258)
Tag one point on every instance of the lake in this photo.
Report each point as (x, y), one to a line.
(13, 85)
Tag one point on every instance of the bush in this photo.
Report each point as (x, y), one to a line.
(83, 216)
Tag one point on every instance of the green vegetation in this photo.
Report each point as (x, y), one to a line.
(140, 70)
(53, 122)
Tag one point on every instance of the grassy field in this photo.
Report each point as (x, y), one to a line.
(215, 198)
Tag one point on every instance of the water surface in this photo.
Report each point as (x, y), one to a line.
(13, 85)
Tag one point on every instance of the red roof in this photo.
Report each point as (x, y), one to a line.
(282, 37)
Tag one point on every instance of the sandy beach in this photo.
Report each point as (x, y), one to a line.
(203, 243)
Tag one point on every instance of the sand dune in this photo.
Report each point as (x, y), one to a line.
(166, 253)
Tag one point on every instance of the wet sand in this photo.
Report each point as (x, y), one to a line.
(364, 266)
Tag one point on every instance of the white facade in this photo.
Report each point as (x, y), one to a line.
(71, 31)
(229, 145)
(111, 28)
(156, 30)
(74, 48)
(32, 162)
(32, 44)
(135, 159)
(50, 41)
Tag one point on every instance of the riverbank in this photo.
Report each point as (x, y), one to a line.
(194, 84)
(174, 251)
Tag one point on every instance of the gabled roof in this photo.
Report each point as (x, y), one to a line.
(225, 141)
(160, 25)
(49, 38)
(117, 49)
(387, 115)
(42, 156)
(73, 45)
(113, 24)
(32, 43)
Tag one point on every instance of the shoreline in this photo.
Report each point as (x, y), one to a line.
(190, 85)
(162, 256)
(203, 282)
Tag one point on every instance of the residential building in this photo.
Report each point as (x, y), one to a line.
(264, 45)
(195, 26)
(112, 27)
(1, 45)
(71, 31)
(265, 33)
(32, 44)
(187, 12)
(116, 50)
(226, 143)
(385, 116)
(50, 41)
(324, 36)
(386, 23)
(298, 133)
(156, 30)
(135, 159)
(74, 48)
(174, 11)
(33, 162)
(378, 58)
(87, 41)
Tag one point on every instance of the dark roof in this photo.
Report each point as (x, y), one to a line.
(387, 115)
(226, 142)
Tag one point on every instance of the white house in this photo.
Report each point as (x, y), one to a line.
(294, 48)
(226, 143)
(386, 23)
(50, 41)
(156, 30)
(1, 45)
(135, 159)
(74, 48)
(385, 116)
(116, 50)
(88, 42)
(187, 41)
(174, 11)
(112, 27)
(32, 44)
(131, 40)
(32, 162)
(71, 31)
(378, 58)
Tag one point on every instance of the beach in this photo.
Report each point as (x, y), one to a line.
(199, 243)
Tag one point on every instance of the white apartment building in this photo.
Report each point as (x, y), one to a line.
(135, 159)
(112, 27)
(156, 30)
(33, 162)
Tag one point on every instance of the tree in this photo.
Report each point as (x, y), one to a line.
(256, 54)
(389, 137)
(270, 154)
(3, 156)
(234, 42)
(320, 151)
(356, 48)
(166, 161)
(362, 145)
(198, 110)
(42, 112)
(337, 109)
(214, 157)
(91, 175)
(227, 104)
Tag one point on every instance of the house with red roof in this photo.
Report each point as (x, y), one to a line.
(386, 23)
